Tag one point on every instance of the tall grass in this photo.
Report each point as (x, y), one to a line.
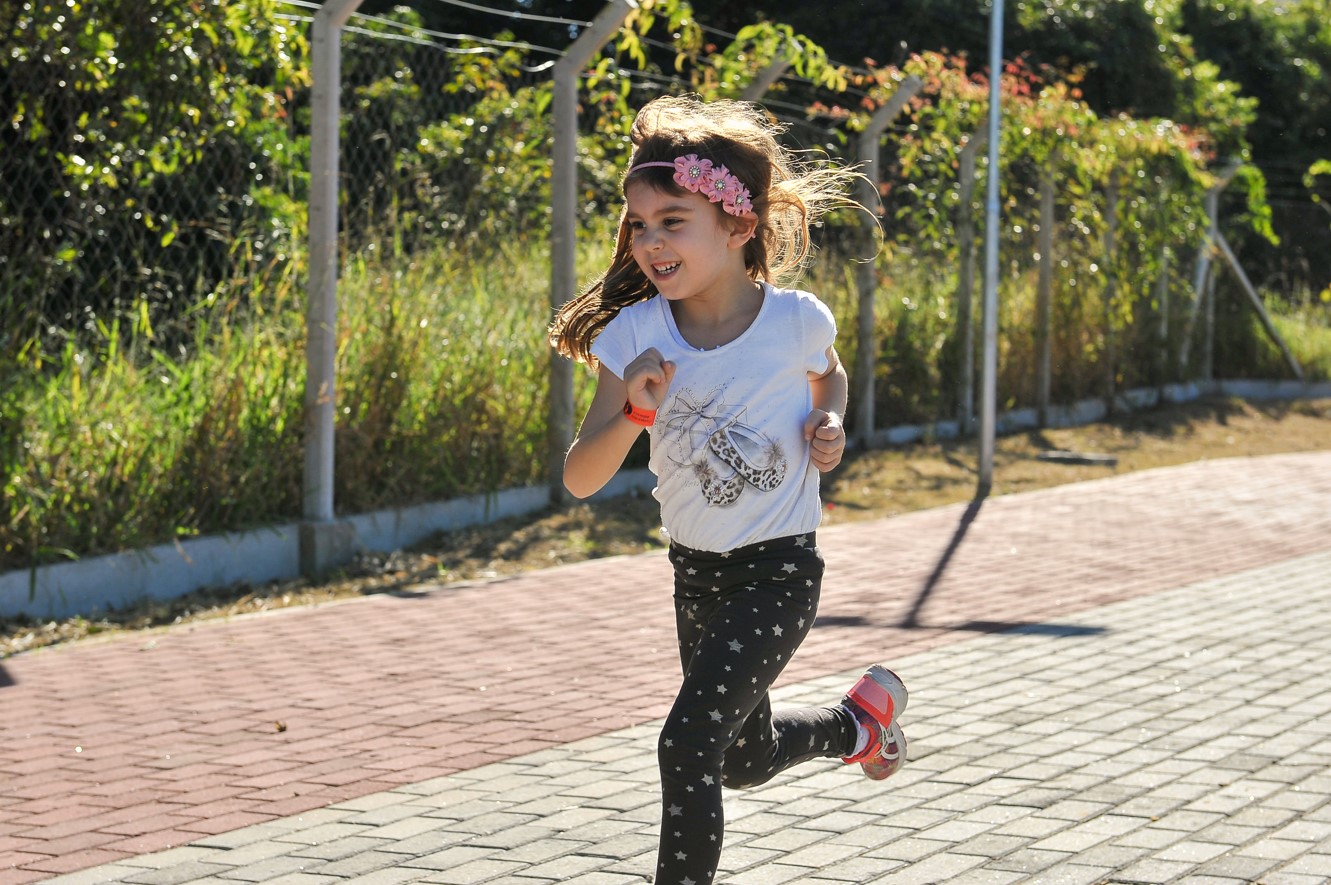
(118, 443)
(1304, 324)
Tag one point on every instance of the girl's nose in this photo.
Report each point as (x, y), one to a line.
(649, 240)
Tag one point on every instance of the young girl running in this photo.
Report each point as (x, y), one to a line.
(740, 389)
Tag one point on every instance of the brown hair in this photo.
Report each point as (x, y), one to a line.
(788, 195)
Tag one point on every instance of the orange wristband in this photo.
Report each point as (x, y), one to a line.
(641, 417)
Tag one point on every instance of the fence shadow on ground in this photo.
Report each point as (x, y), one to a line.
(912, 619)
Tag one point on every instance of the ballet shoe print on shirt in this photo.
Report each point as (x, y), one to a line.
(729, 444)
(724, 453)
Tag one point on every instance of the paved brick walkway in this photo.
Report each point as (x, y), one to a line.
(1043, 637)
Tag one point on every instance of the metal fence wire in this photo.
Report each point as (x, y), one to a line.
(96, 230)
(99, 225)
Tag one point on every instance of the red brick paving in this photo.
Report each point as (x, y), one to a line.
(132, 744)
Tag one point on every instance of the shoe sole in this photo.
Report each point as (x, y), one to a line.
(882, 767)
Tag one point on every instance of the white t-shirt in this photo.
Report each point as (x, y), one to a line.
(728, 449)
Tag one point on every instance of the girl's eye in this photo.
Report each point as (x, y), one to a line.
(636, 226)
(673, 222)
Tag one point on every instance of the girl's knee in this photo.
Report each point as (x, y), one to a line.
(677, 745)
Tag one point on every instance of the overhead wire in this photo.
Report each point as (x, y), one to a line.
(431, 38)
(528, 16)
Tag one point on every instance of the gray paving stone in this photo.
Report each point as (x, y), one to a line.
(188, 871)
(483, 870)
(1071, 874)
(1238, 866)
(358, 864)
(450, 857)
(269, 869)
(1152, 872)
(941, 867)
(386, 876)
(1313, 863)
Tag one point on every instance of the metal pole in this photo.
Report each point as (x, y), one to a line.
(966, 281)
(989, 364)
(1202, 273)
(766, 77)
(564, 220)
(1110, 352)
(1251, 291)
(866, 271)
(1044, 298)
(321, 306)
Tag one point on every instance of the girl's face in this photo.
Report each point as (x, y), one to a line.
(683, 244)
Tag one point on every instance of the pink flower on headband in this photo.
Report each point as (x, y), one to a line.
(720, 184)
(716, 183)
(690, 172)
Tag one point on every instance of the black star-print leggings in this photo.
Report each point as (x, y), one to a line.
(740, 616)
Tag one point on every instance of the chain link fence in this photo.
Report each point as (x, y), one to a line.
(121, 221)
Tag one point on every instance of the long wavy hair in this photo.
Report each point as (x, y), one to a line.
(789, 194)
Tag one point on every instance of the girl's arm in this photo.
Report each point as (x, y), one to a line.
(606, 434)
(823, 427)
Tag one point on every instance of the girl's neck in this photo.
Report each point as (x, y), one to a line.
(712, 322)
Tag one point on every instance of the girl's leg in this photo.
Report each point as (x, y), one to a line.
(740, 617)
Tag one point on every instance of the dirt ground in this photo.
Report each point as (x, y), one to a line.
(867, 485)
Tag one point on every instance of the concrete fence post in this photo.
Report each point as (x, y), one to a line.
(324, 543)
(564, 221)
(966, 279)
(867, 272)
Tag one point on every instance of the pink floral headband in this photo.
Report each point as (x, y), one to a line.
(716, 183)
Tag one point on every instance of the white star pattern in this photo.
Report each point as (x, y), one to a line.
(737, 602)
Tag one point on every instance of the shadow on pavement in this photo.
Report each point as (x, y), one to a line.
(912, 618)
(1059, 630)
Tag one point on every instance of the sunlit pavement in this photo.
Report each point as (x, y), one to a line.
(1126, 680)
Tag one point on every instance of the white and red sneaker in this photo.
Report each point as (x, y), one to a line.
(875, 702)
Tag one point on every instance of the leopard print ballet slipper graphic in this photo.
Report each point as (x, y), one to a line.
(759, 461)
(717, 490)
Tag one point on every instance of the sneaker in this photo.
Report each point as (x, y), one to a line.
(875, 702)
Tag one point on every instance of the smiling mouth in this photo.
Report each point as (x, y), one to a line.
(665, 270)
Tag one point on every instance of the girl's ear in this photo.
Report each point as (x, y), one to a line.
(742, 229)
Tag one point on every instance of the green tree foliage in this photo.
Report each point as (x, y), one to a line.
(143, 139)
(1279, 54)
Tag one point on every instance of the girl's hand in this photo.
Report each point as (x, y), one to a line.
(648, 378)
(827, 438)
